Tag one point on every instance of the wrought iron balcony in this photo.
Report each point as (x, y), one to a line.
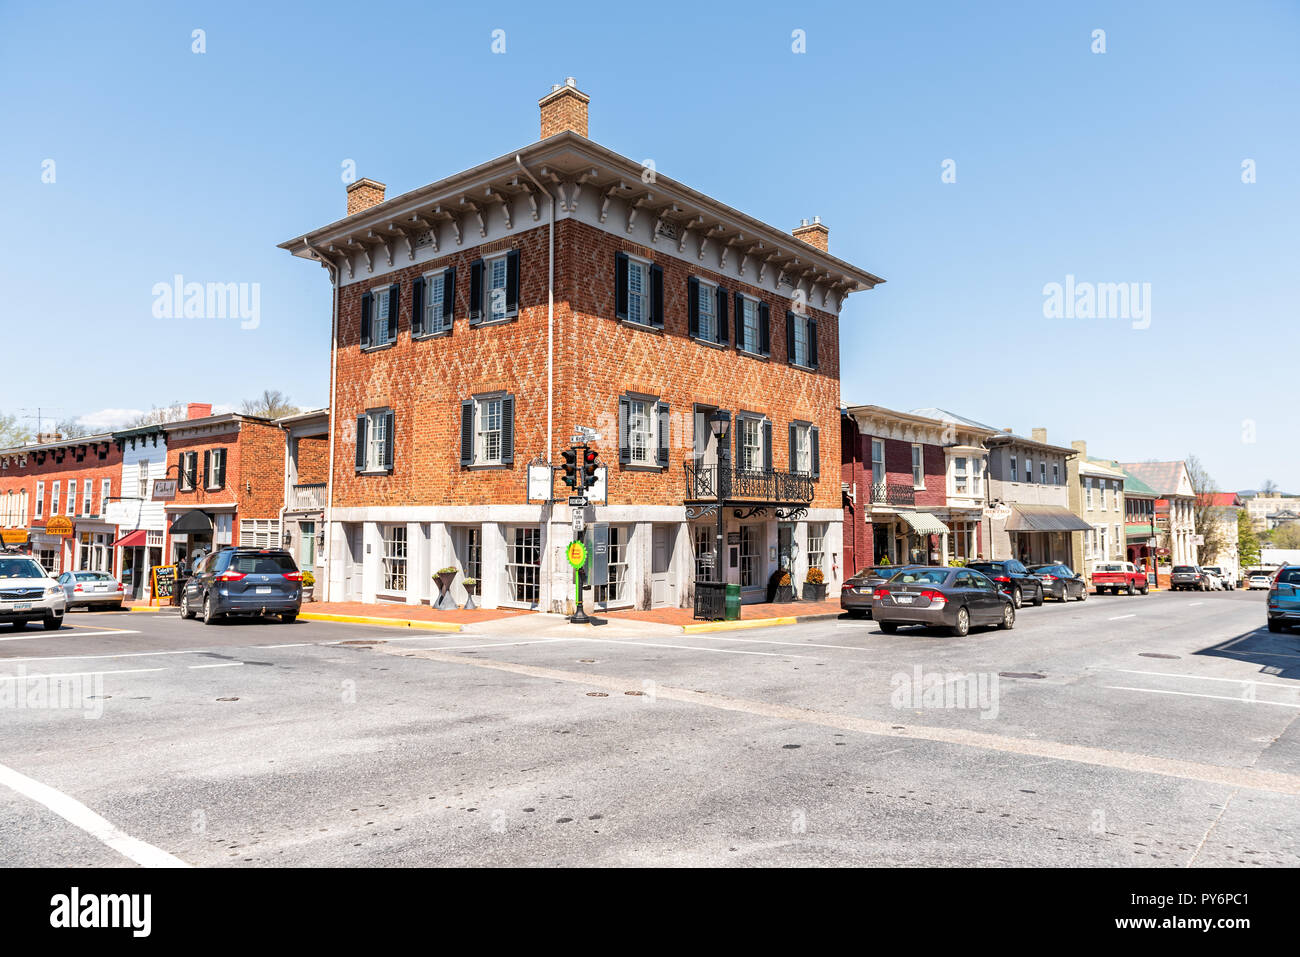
(307, 497)
(741, 485)
(887, 493)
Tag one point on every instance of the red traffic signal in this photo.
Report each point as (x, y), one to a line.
(588, 468)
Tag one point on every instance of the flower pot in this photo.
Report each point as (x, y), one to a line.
(784, 594)
(813, 592)
(471, 592)
(445, 601)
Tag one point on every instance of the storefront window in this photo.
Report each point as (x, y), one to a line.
(704, 538)
(394, 558)
(613, 592)
(816, 544)
(523, 564)
(750, 543)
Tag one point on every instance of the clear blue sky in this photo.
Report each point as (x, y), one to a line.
(1115, 167)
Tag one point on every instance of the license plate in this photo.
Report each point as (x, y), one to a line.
(101, 588)
(264, 591)
(22, 606)
(903, 599)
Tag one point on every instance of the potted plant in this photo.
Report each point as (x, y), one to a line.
(308, 586)
(471, 591)
(814, 586)
(444, 577)
(780, 588)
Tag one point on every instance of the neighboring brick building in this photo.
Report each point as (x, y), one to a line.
(913, 486)
(230, 475)
(460, 361)
(52, 496)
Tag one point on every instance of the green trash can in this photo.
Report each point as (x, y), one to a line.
(733, 603)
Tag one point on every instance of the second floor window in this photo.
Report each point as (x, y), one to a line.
(86, 495)
(877, 461)
(375, 435)
(801, 340)
(750, 444)
(40, 499)
(959, 475)
(1042, 472)
(214, 469)
(1029, 470)
(1056, 474)
(487, 430)
(433, 302)
(918, 466)
(643, 427)
(804, 452)
(379, 317)
(638, 291)
(72, 497)
(706, 302)
(105, 493)
(142, 480)
(1014, 473)
(189, 470)
(753, 333)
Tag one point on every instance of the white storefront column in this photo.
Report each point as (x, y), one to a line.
(493, 587)
(419, 582)
(640, 558)
(372, 560)
(683, 565)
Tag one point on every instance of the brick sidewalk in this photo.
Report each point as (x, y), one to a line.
(686, 616)
(459, 616)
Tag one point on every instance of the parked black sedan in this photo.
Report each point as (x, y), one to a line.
(1060, 582)
(855, 596)
(955, 598)
(1014, 579)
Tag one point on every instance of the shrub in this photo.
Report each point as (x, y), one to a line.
(784, 580)
(308, 579)
(815, 576)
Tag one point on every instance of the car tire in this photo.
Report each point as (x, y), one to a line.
(1130, 589)
(116, 606)
(1041, 597)
(1083, 594)
(53, 622)
(208, 616)
(857, 613)
(889, 627)
(962, 628)
(1016, 597)
(1008, 618)
(17, 625)
(289, 618)
(1274, 626)
(186, 611)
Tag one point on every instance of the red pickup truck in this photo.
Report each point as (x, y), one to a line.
(1115, 577)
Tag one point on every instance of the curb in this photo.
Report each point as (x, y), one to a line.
(445, 626)
(712, 626)
(144, 608)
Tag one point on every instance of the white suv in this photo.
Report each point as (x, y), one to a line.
(28, 593)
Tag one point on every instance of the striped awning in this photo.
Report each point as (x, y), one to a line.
(923, 523)
(1045, 518)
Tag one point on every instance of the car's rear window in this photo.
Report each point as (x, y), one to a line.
(930, 576)
(20, 568)
(1184, 568)
(1109, 567)
(262, 564)
(1289, 576)
(93, 576)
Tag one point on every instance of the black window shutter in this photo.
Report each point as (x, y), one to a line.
(207, 464)
(624, 448)
(476, 292)
(507, 429)
(417, 306)
(657, 296)
(767, 445)
(790, 320)
(367, 302)
(512, 282)
(794, 446)
(620, 285)
(693, 305)
(389, 438)
(466, 431)
(812, 342)
(816, 455)
(448, 297)
(740, 323)
(220, 478)
(394, 295)
(723, 336)
(361, 443)
(764, 329)
(661, 412)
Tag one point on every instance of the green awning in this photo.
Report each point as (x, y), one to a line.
(923, 523)
(1138, 531)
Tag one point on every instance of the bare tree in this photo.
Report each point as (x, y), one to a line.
(1207, 518)
(12, 432)
(271, 404)
(71, 429)
(1268, 488)
(158, 415)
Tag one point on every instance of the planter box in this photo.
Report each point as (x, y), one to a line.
(784, 594)
(814, 592)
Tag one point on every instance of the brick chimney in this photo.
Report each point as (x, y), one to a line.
(363, 194)
(198, 410)
(44, 438)
(814, 234)
(1039, 434)
(564, 108)
(1080, 446)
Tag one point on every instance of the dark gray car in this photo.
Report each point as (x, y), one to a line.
(243, 581)
(1188, 578)
(954, 598)
(855, 596)
(1061, 582)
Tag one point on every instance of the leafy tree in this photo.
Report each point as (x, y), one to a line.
(12, 432)
(271, 404)
(1207, 519)
(1286, 536)
(1247, 540)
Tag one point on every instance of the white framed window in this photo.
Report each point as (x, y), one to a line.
(751, 444)
(376, 436)
(374, 441)
(216, 477)
(1015, 474)
(959, 478)
(817, 545)
(259, 532)
(961, 543)
(496, 273)
(394, 557)
(638, 291)
(142, 479)
(642, 448)
(105, 493)
(189, 462)
(751, 544)
(306, 544)
(1101, 542)
(802, 462)
(54, 498)
(379, 306)
(1087, 491)
(1029, 470)
(614, 592)
(704, 538)
(918, 466)
(708, 310)
(750, 340)
(801, 356)
(976, 476)
(877, 461)
(71, 508)
(1056, 473)
(469, 550)
(524, 564)
(488, 442)
(40, 499)
(1042, 473)
(435, 320)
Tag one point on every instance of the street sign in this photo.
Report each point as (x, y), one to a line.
(164, 490)
(578, 501)
(576, 553)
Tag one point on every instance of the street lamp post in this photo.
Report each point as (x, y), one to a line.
(720, 424)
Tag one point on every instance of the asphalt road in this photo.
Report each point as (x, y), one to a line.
(1156, 730)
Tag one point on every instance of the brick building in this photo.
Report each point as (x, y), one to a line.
(480, 319)
(913, 487)
(229, 471)
(306, 478)
(53, 494)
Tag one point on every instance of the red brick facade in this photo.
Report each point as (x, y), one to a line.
(254, 477)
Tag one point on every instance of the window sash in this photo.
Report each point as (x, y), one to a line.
(489, 431)
(708, 297)
(640, 432)
(394, 560)
(636, 291)
(918, 467)
(877, 461)
(800, 340)
(379, 316)
(749, 341)
(376, 437)
(496, 288)
(751, 447)
(433, 293)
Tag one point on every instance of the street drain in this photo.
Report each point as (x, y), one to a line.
(634, 692)
(227, 699)
(1020, 674)
(597, 694)
(363, 641)
(1155, 654)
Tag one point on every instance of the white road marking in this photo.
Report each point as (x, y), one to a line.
(126, 654)
(1217, 697)
(769, 641)
(80, 634)
(1193, 604)
(224, 664)
(496, 644)
(81, 674)
(298, 644)
(1122, 617)
(1235, 681)
(76, 813)
(637, 643)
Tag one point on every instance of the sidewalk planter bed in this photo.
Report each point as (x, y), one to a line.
(444, 577)
(780, 588)
(308, 586)
(814, 586)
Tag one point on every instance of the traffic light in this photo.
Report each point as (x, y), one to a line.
(571, 468)
(588, 468)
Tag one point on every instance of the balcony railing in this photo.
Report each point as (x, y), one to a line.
(306, 497)
(743, 485)
(887, 493)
